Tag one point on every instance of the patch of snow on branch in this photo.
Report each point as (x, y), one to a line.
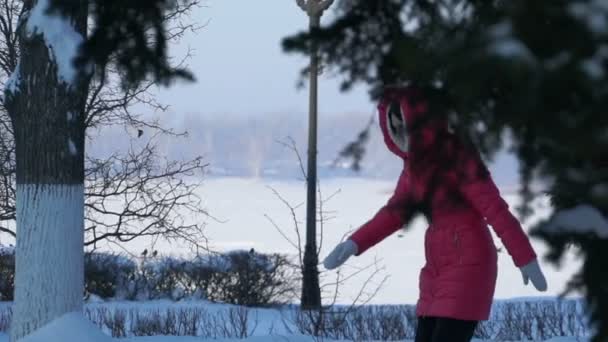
(593, 14)
(594, 66)
(13, 83)
(581, 219)
(60, 37)
(72, 147)
(506, 45)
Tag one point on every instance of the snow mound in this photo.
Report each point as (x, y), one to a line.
(71, 327)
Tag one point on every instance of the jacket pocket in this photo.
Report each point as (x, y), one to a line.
(470, 247)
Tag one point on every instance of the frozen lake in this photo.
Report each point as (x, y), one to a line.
(240, 206)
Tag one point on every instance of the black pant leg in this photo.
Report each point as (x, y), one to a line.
(424, 330)
(453, 330)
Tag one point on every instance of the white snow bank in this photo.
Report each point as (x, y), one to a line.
(60, 37)
(71, 327)
(582, 219)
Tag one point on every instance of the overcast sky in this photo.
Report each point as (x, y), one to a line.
(241, 69)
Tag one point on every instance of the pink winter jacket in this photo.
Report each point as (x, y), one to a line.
(448, 182)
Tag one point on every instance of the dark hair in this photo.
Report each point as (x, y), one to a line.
(448, 163)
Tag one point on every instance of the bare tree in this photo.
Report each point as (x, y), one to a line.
(7, 173)
(9, 54)
(157, 198)
(313, 321)
(46, 99)
(149, 194)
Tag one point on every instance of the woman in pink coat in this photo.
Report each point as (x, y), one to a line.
(446, 180)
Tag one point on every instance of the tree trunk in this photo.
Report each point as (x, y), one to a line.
(47, 116)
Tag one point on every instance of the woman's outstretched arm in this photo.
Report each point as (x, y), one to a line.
(387, 220)
(479, 189)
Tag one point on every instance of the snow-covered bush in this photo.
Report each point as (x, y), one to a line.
(107, 275)
(192, 319)
(532, 320)
(510, 321)
(7, 272)
(244, 278)
(161, 278)
(358, 323)
(239, 277)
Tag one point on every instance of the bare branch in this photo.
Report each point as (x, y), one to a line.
(290, 143)
(130, 194)
(8, 231)
(276, 226)
(110, 105)
(296, 224)
(322, 218)
(302, 5)
(139, 195)
(9, 14)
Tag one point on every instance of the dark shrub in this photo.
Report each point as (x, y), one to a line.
(108, 275)
(7, 272)
(249, 278)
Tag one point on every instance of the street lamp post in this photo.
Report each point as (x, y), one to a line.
(311, 293)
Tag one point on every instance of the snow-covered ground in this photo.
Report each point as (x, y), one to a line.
(523, 318)
(240, 206)
(267, 325)
(76, 328)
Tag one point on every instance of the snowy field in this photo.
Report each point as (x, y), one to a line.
(261, 325)
(240, 206)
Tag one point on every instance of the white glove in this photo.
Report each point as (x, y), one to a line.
(532, 271)
(340, 254)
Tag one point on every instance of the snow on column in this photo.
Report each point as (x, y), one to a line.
(46, 102)
(48, 215)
